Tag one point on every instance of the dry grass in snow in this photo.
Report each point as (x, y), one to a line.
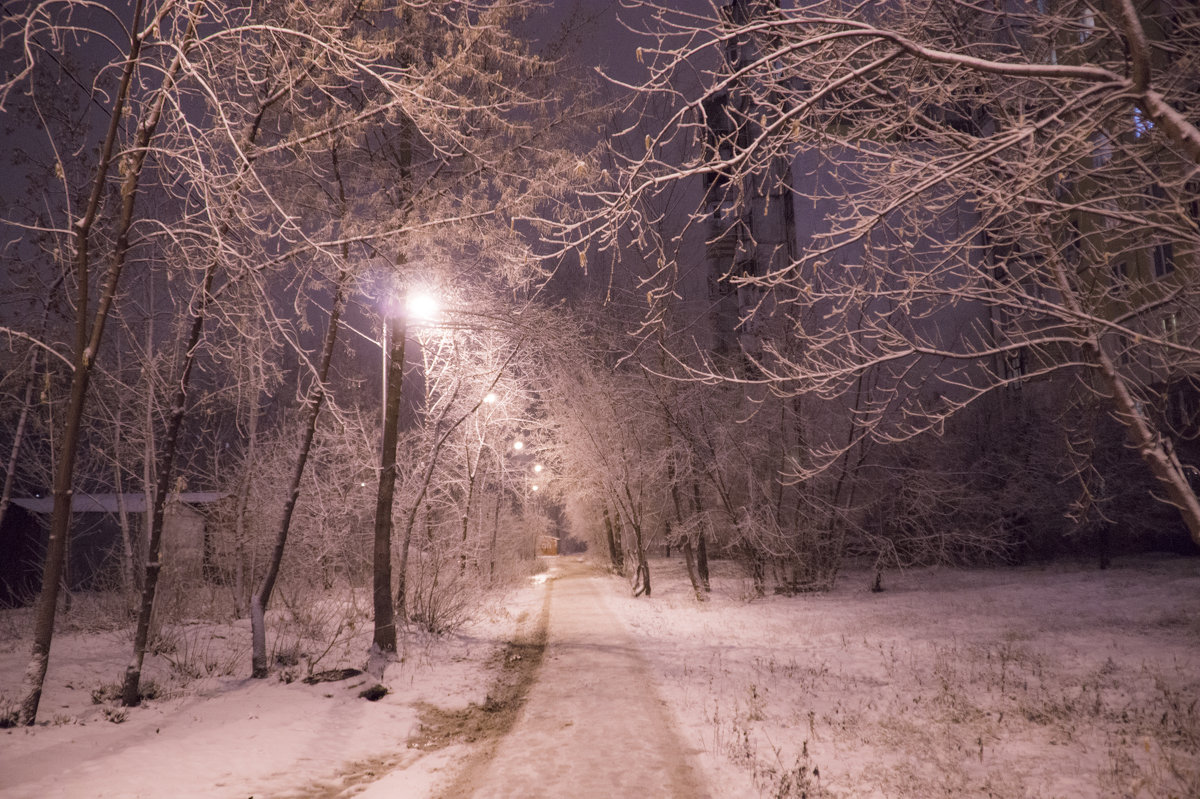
(1062, 681)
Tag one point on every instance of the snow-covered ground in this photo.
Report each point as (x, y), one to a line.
(215, 733)
(1062, 681)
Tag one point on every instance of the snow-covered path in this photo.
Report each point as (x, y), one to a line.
(593, 725)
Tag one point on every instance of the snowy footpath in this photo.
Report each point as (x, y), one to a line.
(593, 725)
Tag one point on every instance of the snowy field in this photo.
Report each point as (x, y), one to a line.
(1032, 682)
(214, 733)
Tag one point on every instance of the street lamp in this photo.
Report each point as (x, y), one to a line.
(422, 307)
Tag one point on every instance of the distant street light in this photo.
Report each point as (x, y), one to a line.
(518, 445)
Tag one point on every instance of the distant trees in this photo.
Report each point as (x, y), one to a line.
(991, 202)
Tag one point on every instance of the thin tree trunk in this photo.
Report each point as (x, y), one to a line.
(243, 500)
(472, 474)
(87, 346)
(642, 579)
(18, 438)
(133, 672)
(410, 523)
(495, 535)
(127, 567)
(1154, 448)
(701, 542)
(689, 558)
(316, 398)
(131, 691)
(155, 513)
(126, 535)
(643, 567)
(615, 555)
(149, 448)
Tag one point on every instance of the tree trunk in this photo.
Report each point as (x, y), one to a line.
(384, 639)
(316, 398)
(87, 346)
(1154, 448)
(149, 448)
(615, 555)
(402, 569)
(642, 579)
(689, 559)
(495, 535)
(241, 572)
(701, 542)
(18, 438)
(127, 562)
(131, 693)
(643, 569)
(472, 474)
(127, 568)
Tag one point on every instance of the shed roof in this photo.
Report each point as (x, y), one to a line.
(107, 503)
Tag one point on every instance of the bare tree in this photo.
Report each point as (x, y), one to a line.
(90, 325)
(988, 197)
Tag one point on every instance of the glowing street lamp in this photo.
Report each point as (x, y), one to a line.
(422, 307)
(518, 445)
